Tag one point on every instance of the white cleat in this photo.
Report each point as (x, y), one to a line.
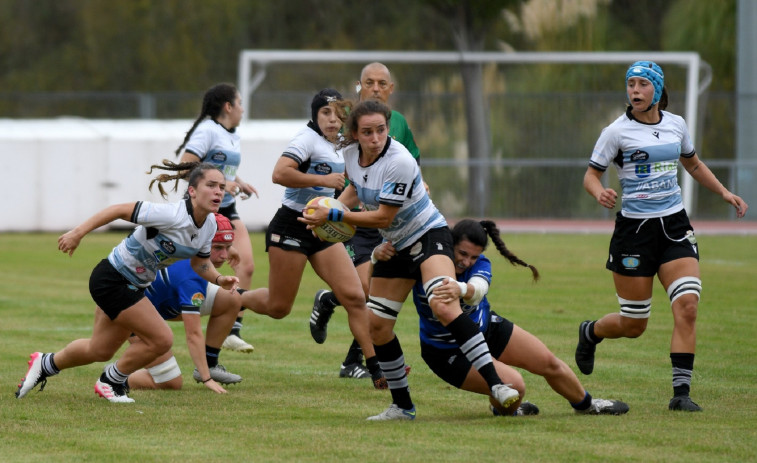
(505, 395)
(394, 413)
(234, 342)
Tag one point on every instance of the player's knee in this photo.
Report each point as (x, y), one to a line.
(162, 343)
(552, 366)
(279, 311)
(174, 385)
(353, 300)
(685, 309)
(167, 375)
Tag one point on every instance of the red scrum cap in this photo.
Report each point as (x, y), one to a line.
(225, 232)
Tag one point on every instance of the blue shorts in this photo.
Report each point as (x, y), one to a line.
(452, 366)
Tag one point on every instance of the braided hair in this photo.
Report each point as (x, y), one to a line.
(192, 172)
(478, 233)
(212, 105)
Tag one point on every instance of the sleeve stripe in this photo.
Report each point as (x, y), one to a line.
(599, 167)
(292, 157)
(135, 212)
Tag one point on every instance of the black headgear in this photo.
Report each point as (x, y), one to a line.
(321, 99)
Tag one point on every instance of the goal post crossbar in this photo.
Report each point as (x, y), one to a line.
(695, 83)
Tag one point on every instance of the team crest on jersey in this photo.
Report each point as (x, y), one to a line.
(198, 299)
(643, 170)
(218, 157)
(168, 246)
(322, 168)
(639, 156)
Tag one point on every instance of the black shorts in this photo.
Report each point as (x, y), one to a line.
(287, 233)
(407, 263)
(230, 211)
(111, 291)
(639, 246)
(452, 366)
(361, 246)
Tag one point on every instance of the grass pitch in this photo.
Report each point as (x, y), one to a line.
(292, 406)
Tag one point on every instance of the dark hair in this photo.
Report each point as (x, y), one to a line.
(663, 99)
(212, 105)
(478, 233)
(361, 109)
(192, 172)
(321, 99)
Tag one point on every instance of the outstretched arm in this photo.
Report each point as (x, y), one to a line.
(69, 241)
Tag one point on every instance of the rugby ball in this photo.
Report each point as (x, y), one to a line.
(333, 232)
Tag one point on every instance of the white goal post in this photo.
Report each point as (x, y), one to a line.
(253, 65)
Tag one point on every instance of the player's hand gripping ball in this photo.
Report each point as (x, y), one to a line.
(331, 231)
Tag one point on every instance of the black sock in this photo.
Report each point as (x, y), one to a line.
(211, 354)
(473, 345)
(237, 327)
(329, 299)
(584, 404)
(373, 365)
(589, 335)
(354, 354)
(392, 362)
(683, 365)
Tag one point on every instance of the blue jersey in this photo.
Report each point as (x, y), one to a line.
(166, 234)
(646, 157)
(213, 143)
(314, 154)
(177, 290)
(431, 330)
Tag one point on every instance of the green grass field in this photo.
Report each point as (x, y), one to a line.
(292, 406)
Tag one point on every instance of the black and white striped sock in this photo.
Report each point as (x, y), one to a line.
(473, 345)
(392, 362)
(683, 365)
(113, 375)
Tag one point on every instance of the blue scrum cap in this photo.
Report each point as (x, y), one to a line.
(652, 72)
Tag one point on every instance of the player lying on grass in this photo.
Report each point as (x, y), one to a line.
(509, 344)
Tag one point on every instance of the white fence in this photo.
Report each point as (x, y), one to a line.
(61, 171)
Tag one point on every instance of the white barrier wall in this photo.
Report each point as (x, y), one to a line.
(61, 171)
